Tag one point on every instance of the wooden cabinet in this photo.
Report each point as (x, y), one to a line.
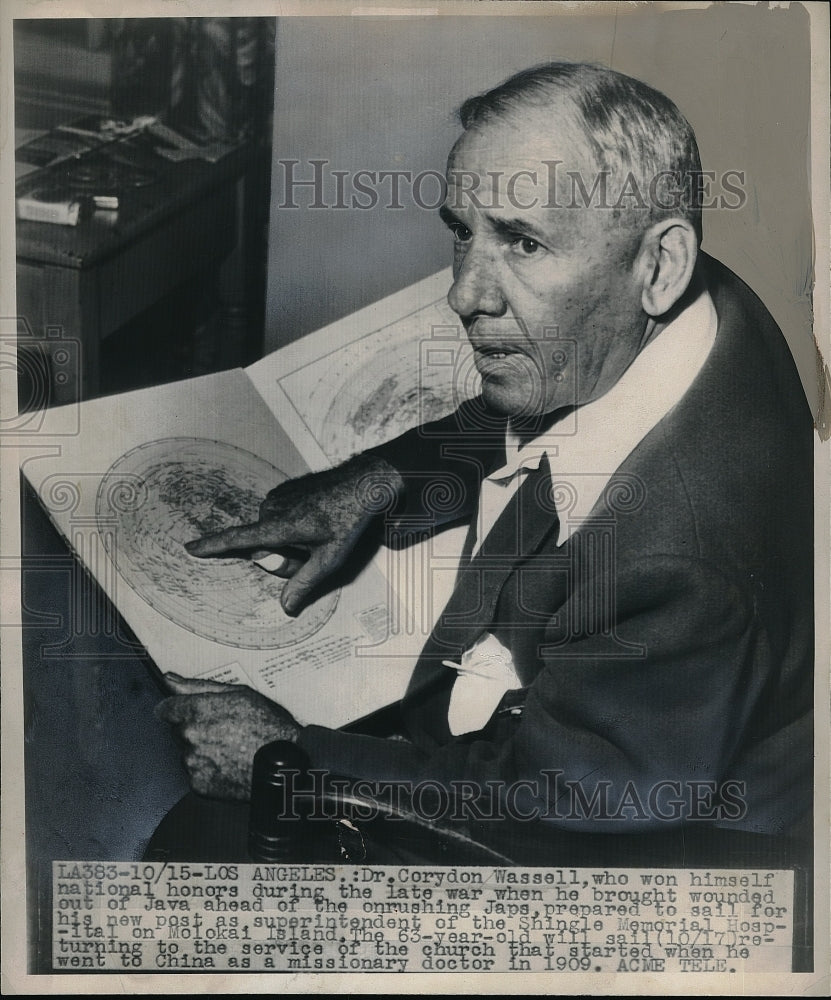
(77, 285)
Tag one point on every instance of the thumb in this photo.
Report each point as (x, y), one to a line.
(191, 685)
(317, 567)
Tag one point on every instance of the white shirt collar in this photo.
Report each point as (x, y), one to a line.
(587, 447)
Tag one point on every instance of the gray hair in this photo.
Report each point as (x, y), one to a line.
(630, 128)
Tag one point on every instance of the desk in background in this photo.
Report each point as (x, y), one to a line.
(76, 285)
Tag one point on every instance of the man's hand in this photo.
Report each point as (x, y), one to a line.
(315, 521)
(221, 727)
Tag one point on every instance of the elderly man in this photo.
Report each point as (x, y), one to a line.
(629, 643)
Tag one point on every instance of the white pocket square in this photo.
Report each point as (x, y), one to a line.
(482, 678)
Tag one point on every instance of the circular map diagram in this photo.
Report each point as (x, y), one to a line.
(162, 494)
(393, 392)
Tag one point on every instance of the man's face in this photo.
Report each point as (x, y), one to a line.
(547, 295)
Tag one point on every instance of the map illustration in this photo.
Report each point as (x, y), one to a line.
(390, 394)
(361, 392)
(164, 493)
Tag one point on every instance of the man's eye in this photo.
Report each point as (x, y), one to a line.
(525, 245)
(461, 233)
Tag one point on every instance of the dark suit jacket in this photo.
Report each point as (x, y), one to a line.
(670, 639)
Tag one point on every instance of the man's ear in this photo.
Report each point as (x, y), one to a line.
(666, 261)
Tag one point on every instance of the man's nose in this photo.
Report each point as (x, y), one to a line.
(476, 290)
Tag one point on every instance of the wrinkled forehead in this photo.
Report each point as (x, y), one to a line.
(519, 155)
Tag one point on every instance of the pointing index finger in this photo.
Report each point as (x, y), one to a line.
(246, 536)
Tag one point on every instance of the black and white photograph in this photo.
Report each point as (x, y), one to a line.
(415, 497)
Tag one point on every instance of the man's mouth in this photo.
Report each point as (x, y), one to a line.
(495, 352)
(500, 361)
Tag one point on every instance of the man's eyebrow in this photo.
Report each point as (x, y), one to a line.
(510, 227)
(505, 227)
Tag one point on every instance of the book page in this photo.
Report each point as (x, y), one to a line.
(153, 469)
(373, 375)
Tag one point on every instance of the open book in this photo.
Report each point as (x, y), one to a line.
(137, 475)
